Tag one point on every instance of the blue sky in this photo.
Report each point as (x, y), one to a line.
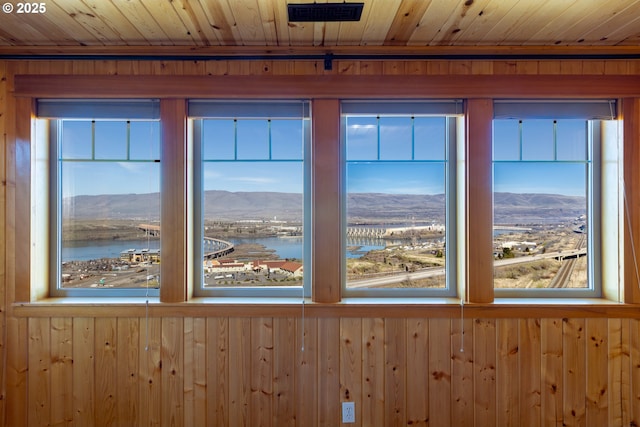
(281, 141)
(529, 161)
(567, 179)
(268, 155)
(284, 177)
(110, 176)
(396, 137)
(82, 178)
(395, 178)
(379, 154)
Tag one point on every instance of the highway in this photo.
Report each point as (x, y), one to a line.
(374, 282)
(561, 279)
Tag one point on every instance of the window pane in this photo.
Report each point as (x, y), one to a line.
(287, 139)
(572, 140)
(77, 140)
(111, 140)
(506, 140)
(253, 204)
(396, 137)
(253, 139)
(362, 134)
(109, 214)
(219, 140)
(430, 141)
(144, 140)
(396, 206)
(541, 217)
(537, 140)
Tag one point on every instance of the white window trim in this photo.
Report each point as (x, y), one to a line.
(200, 110)
(37, 271)
(46, 185)
(54, 252)
(454, 140)
(605, 218)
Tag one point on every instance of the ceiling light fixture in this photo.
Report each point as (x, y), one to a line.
(324, 12)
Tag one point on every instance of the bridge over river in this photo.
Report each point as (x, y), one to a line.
(212, 248)
(216, 248)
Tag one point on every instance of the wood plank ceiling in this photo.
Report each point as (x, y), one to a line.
(202, 24)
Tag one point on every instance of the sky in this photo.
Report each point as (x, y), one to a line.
(395, 155)
(256, 155)
(546, 178)
(266, 156)
(275, 176)
(529, 161)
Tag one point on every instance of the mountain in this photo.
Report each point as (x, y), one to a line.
(113, 206)
(224, 205)
(377, 206)
(536, 199)
(525, 208)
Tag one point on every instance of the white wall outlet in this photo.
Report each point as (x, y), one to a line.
(348, 412)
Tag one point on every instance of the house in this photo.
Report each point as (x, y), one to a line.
(291, 267)
(469, 357)
(140, 255)
(226, 267)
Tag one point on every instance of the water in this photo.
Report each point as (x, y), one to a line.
(285, 247)
(288, 247)
(84, 250)
(291, 247)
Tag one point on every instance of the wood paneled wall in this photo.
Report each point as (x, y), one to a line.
(253, 371)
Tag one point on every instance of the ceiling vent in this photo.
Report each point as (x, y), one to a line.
(324, 12)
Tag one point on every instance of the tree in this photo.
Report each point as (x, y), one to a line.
(507, 253)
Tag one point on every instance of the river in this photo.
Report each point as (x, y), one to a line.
(84, 250)
(285, 247)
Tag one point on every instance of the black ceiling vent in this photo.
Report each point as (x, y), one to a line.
(324, 12)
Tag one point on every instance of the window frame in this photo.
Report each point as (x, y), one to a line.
(245, 109)
(46, 149)
(598, 145)
(593, 192)
(450, 111)
(55, 228)
(478, 90)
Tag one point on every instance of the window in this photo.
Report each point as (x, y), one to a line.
(251, 174)
(104, 196)
(400, 183)
(549, 180)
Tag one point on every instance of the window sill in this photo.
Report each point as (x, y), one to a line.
(348, 307)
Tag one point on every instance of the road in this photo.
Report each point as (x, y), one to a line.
(375, 282)
(561, 279)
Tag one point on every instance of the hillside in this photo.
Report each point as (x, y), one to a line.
(515, 208)
(223, 205)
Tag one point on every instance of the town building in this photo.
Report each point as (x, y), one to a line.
(140, 255)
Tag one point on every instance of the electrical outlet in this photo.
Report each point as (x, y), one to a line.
(348, 412)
